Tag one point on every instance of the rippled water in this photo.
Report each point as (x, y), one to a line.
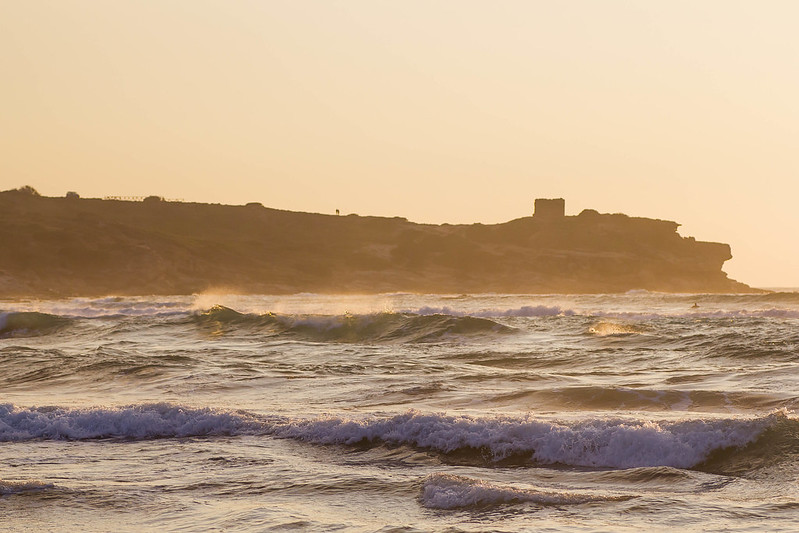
(401, 413)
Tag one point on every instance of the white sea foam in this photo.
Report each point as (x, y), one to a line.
(600, 442)
(447, 491)
(134, 422)
(594, 442)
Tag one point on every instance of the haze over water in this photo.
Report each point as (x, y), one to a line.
(401, 412)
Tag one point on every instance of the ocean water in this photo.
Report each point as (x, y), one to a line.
(400, 413)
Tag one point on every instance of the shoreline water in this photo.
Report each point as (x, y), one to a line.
(400, 412)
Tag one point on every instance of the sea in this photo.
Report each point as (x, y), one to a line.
(400, 413)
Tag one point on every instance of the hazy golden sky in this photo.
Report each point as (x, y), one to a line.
(457, 111)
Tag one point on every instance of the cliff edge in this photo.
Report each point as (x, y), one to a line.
(54, 247)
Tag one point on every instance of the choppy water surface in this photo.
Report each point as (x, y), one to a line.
(401, 413)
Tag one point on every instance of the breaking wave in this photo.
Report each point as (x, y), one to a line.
(377, 327)
(447, 491)
(17, 487)
(599, 442)
(29, 323)
(715, 444)
(138, 422)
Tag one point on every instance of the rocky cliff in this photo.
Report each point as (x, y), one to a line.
(71, 246)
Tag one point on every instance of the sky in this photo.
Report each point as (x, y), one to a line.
(454, 111)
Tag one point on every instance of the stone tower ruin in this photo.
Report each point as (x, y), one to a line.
(549, 208)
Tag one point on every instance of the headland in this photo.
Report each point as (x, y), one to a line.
(71, 246)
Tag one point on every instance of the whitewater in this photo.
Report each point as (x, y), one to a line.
(400, 412)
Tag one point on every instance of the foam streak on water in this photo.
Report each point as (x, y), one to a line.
(468, 412)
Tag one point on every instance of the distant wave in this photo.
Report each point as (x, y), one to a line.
(701, 313)
(376, 327)
(18, 322)
(785, 296)
(112, 306)
(593, 442)
(551, 311)
(29, 324)
(523, 311)
(771, 297)
(447, 491)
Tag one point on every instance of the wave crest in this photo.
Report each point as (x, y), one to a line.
(29, 323)
(523, 311)
(138, 422)
(377, 327)
(714, 444)
(16, 487)
(600, 442)
(447, 491)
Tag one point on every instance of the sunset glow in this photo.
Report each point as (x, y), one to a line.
(436, 111)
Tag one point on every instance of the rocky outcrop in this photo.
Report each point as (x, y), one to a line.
(74, 246)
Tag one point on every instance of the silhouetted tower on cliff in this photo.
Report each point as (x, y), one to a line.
(549, 208)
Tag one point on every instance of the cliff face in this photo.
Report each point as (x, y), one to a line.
(68, 246)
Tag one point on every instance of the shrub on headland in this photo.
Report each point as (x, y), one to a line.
(26, 189)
